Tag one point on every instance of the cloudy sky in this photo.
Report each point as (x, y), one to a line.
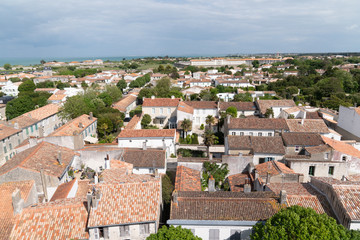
(79, 28)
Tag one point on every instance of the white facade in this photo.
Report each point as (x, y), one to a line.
(11, 89)
(349, 120)
(167, 143)
(199, 116)
(252, 132)
(200, 83)
(217, 229)
(227, 97)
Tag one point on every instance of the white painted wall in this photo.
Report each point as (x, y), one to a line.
(349, 120)
(250, 132)
(200, 115)
(154, 142)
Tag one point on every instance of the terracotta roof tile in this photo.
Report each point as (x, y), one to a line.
(150, 158)
(63, 190)
(202, 104)
(7, 218)
(266, 104)
(257, 144)
(143, 133)
(83, 188)
(342, 147)
(135, 202)
(301, 139)
(70, 127)
(274, 168)
(240, 106)
(44, 155)
(161, 102)
(43, 112)
(187, 179)
(133, 122)
(310, 125)
(62, 219)
(237, 181)
(57, 97)
(124, 103)
(258, 123)
(222, 205)
(183, 107)
(6, 131)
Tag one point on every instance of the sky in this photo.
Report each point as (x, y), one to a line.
(79, 28)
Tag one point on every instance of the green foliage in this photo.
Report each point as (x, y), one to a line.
(78, 72)
(232, 111)
(106, 98)
(140, 81)
(190, 139)
(301, 223)
(146, 120)
(186, 125)
(167, 189)
(218, 172)
(209, 95)
(61, 85)
(7, 66)
(202, 127)
(162, 89)
(46, 84)
(243, 97)
(269, 113)
(15, 79)
(172, 233)
(19, 106)
(190, 153)
(27, 86)
(121, 85)
(256, 63)
(104, 126)
(137, 110)
(210, 120)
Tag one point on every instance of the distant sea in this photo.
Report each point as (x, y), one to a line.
(36, 60)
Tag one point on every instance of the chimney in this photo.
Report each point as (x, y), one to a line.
(16, 125)
(17, 201)
(152, 97)
(228, 119)
(268, 177)
(211, 185)
(256, 174)
(156, 172)
(81, 125)
(250, 167)
(107, 162)
(43, 181)
(210, 156)
(59, 158)
(283, 197)
(91, 116)
(89, 198)
(144, 146)
(247, 188)
(175, 197)
(94, 202)
(96, 179)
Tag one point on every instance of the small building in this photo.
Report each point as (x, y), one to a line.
(202, 109)
(164, 139)
(294, 142)
(9, 138)
(276, 105)
(243, 108)
(126, 104)
(348, 122)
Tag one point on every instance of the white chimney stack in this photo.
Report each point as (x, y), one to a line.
(96, 179)
(107, 162)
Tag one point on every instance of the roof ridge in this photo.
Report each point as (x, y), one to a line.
(32, 153)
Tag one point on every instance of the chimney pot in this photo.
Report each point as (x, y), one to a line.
(96, 179)
(211, 185)
(247, 188)
(152, 97)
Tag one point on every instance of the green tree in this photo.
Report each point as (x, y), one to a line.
(167, 189)
(84, 85)
(269, 113)
(256, 63)
(121, 85)
(243, 97)
(27, 86)
(42, 61)
(7, 66)
(173, 233)
(74, 107)
(217, 172)
(232, 111)
(146, 120)
(301, 223)
(104, 127)
(106, 98)
(186, 125)
(209, 139)
(210, 120)
(19, 106)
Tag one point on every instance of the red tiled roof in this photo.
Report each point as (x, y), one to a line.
(202, 104)
(237, 181)
(266, 104)
(258, 123)
(133, 122)
(7, 218)
(274, 168)
(6, 131)
(187, 179)
(62, 219)
(150, 158)
(63, 190)
(161, 102)
(301, 139)
(272, 145)
(43, 112)
(44, 155)
(183, 107)
(70, 127)
(342, 147)
(309, 125)
(144, 133)
(135, 202)
(124, 103)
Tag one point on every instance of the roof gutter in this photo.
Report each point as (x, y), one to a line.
(122, 224)
(211, 222)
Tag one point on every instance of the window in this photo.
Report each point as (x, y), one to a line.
(161, 110)
(96, 231)
(269, 134)
(5, 151)
(331, 170)
(36, 126)
(124, 231)
(251, 133)
(343, 158)
(233, 133)
(213, 234)
(32, 129)
(153, 110)
(144, 228)
(169, 110)
(326, 155)
(10, 146)
(27, 131)
(161, 121)
(241, 134)
(259, 134)
(7, 158)
(311, 170)
(297, 148)
(235, 234)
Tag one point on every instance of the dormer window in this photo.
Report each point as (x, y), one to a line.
(326, 155)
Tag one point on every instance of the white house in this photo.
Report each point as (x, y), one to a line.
(148, 138)
(349, 122)
(202, 109)
(276, 105)
(11, 89)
